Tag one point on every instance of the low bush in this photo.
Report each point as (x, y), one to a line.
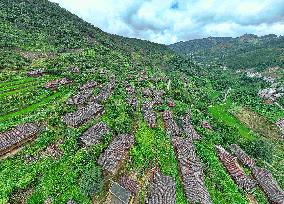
(260, 149)
(91, 180)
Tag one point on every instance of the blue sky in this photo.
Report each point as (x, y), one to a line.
(169, 21)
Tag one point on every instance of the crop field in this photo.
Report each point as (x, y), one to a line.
(24, 97)
(221, 112)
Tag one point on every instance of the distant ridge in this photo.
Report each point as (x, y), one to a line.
(246, 51)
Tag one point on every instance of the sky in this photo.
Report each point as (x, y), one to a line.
(170, 21)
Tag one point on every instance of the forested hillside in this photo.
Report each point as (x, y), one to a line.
(88, 117)
(247, 51)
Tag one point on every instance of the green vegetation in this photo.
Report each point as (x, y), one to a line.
(91, 180)
(260, 149)
(220, 185)
(154, 148)
(257, 123)
(30, 108)
(8, 84)
(244, 52)
(221, 112)
(38, 34)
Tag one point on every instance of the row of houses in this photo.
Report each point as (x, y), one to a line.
(259, 176)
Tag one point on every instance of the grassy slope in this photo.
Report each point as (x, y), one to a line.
(221, 112)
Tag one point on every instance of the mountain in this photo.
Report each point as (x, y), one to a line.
(247, 51)
(89, 117)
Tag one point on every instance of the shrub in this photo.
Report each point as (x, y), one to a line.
(91, 180)
(260, 149)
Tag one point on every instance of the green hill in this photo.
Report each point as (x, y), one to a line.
(247, 51)
(81, 109)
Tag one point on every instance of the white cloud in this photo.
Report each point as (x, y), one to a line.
(155, 20)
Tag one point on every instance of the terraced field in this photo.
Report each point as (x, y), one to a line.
(24, 94)
(11, 87)
(6, 85)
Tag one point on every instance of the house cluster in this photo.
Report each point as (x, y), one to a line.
(155, 95)
(88, 104)
(94, 134)
(116, 152)
(162, 189)
(268, 79)
(271, 93)
(56, 83)
(52, 150)
(75, 70)
(36, 73)
(131, 100)
(17, 136)
(81, 97)
(152, 98)
(105, 92)
(253, 74)
(149, 114)
(191, 171)
(171, 127)
(190, 166)
(114, 155)
(188, 128)
(259, 176)
(83, 114)
(280, 125)
(236, 172)
(274, 91)
(84, 93)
